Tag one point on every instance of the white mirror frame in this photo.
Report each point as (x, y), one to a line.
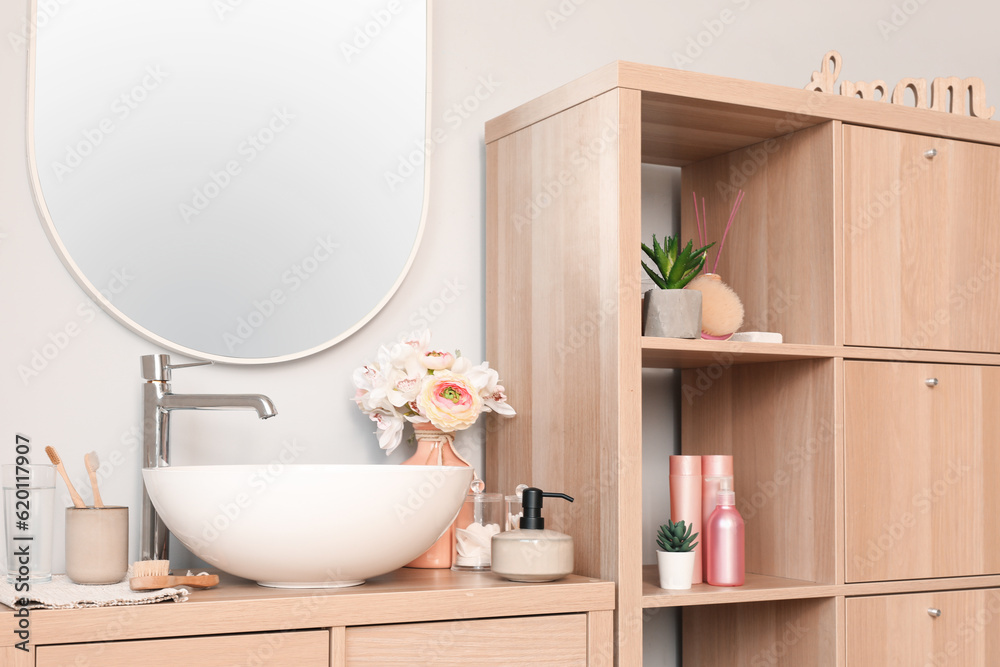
(98, 297)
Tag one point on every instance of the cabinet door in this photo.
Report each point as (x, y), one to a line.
(922, 242)
(277, 649)
(922, 470)
(953, 628)
(553, 641)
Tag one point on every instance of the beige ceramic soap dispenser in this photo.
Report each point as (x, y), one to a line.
(532, 553)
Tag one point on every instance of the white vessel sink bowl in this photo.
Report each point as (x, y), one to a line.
(308, 526)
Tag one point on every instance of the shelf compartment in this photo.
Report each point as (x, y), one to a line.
(780, 254)
(764, 588)
(779, 632)
(757, 588)
(683, 353)
(785, 468)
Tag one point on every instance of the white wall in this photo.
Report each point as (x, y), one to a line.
(87, 398)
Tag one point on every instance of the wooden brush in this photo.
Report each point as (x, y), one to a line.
(57, 462)
(92, 463)
(149, 575)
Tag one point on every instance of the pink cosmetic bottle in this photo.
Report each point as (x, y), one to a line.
(724, 545)
(685, 501)
(714, 469)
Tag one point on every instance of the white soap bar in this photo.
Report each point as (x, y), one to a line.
(756, 337)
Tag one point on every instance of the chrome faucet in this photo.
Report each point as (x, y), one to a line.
(157, 404)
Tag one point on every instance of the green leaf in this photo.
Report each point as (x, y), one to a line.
(690, 274)
(677, 270)
(649, 251)
(660, 282)
(664, 258)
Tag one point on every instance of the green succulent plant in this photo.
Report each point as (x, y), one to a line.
(676, 537)
(676, 267)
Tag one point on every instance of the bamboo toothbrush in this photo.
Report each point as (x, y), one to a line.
(93, 463)
(57, 462)
(149, 575)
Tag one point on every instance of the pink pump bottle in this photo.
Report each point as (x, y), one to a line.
(715, 468)
(724, 541)
(685, 501)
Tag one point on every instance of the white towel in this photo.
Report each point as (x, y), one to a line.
(61, 593)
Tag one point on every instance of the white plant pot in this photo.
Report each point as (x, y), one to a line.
(676, 569)
(672, 313)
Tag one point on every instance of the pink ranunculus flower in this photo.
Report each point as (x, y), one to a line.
(450, 401)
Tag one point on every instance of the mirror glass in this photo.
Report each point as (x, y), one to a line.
(237, 180)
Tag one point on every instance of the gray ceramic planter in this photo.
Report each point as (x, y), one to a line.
(672, 313)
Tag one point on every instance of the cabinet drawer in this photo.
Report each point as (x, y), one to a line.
(921, 241)
(302, 649)
(953, 628)
(922, 468)
(554, 641)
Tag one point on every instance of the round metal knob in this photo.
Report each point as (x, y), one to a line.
(931, 382)
(934, 612)
(931, 154)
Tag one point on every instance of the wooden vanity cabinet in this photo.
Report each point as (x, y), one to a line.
(409, 617)
(549, 641)
(922, 241)
(922, 470)
(302, 649)
(943, 628)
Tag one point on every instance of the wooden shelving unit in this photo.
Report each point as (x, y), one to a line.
(563, 321)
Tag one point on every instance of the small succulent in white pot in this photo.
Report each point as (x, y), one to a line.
(675, 560)
(671, 311)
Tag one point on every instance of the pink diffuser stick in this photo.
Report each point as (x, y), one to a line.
(736, 207)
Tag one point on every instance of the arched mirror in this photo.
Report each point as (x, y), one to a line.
(236, 180)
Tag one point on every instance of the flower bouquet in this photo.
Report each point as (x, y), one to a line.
(411, 382)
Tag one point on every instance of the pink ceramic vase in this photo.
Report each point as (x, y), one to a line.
(434, 448)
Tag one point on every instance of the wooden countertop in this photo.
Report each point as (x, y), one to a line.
(238, 605)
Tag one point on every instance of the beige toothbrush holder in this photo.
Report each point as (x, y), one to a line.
(96, 544)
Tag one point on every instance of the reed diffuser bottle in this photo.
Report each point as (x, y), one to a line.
(724, 541)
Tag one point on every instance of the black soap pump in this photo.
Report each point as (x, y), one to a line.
(532, 552)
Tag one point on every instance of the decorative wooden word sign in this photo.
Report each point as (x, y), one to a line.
(947, 94)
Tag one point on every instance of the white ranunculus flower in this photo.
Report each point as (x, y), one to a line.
(437, 360)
